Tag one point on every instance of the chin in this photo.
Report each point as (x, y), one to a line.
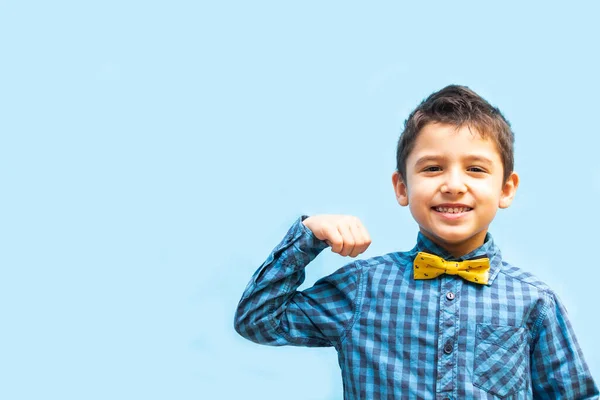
(452, 238)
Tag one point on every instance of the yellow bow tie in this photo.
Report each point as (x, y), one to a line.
(429, 266)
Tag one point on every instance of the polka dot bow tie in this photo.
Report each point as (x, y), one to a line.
(429, 266)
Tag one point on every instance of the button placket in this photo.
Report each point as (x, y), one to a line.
(448, 320)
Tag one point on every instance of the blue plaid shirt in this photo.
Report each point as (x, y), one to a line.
(400, 338)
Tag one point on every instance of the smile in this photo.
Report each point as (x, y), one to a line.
(452, 210)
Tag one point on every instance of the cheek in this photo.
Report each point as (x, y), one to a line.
(422, 189)
(418, 212)
(417, 198)
(486, 189)
(419, 202)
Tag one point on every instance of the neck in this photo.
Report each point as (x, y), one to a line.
(458, 248)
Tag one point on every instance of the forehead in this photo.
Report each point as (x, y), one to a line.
(448, 141)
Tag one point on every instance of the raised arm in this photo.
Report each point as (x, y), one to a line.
(273, 312)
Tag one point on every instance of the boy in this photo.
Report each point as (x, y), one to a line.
(449, 319)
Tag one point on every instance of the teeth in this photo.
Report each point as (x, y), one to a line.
(452, 210)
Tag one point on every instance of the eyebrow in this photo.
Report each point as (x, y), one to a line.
(479, 158)
(426, 159)
(473, 157)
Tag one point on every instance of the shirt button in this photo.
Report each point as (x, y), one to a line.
(448, 348)
(450, 296)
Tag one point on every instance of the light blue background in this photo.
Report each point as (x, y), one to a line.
(153, 153)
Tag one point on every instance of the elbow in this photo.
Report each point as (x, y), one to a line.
(240, 323)
(256, 328)
(245, 324)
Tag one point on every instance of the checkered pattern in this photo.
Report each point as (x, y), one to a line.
(401, 338)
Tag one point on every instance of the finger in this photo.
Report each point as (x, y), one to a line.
(348, 239)
(359, 241)
(333, 238)
(363, 240)
(366, 237)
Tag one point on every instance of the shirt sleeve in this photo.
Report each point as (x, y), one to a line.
(558, 369)
(271, 310)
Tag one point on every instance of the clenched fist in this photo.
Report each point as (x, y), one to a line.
(344, 233)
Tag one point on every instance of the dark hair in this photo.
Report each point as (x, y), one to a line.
(459, 106)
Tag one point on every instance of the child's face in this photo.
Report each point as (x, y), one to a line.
(454, 170)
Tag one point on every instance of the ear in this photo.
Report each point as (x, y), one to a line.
(400, 189)
(509, 189)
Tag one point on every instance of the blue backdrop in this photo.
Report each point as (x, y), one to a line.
(152, 153)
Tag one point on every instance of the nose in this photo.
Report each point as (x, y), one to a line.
(454, 183)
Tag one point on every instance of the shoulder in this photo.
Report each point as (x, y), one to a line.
(391, 263)
(518, 275)
(386, 269)
(396, 260)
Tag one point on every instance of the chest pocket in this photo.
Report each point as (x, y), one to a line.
(501, 359)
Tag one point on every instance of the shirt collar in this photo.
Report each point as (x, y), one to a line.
(487, 249)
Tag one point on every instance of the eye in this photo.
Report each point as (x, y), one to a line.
(432, 168)
(476, 169)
